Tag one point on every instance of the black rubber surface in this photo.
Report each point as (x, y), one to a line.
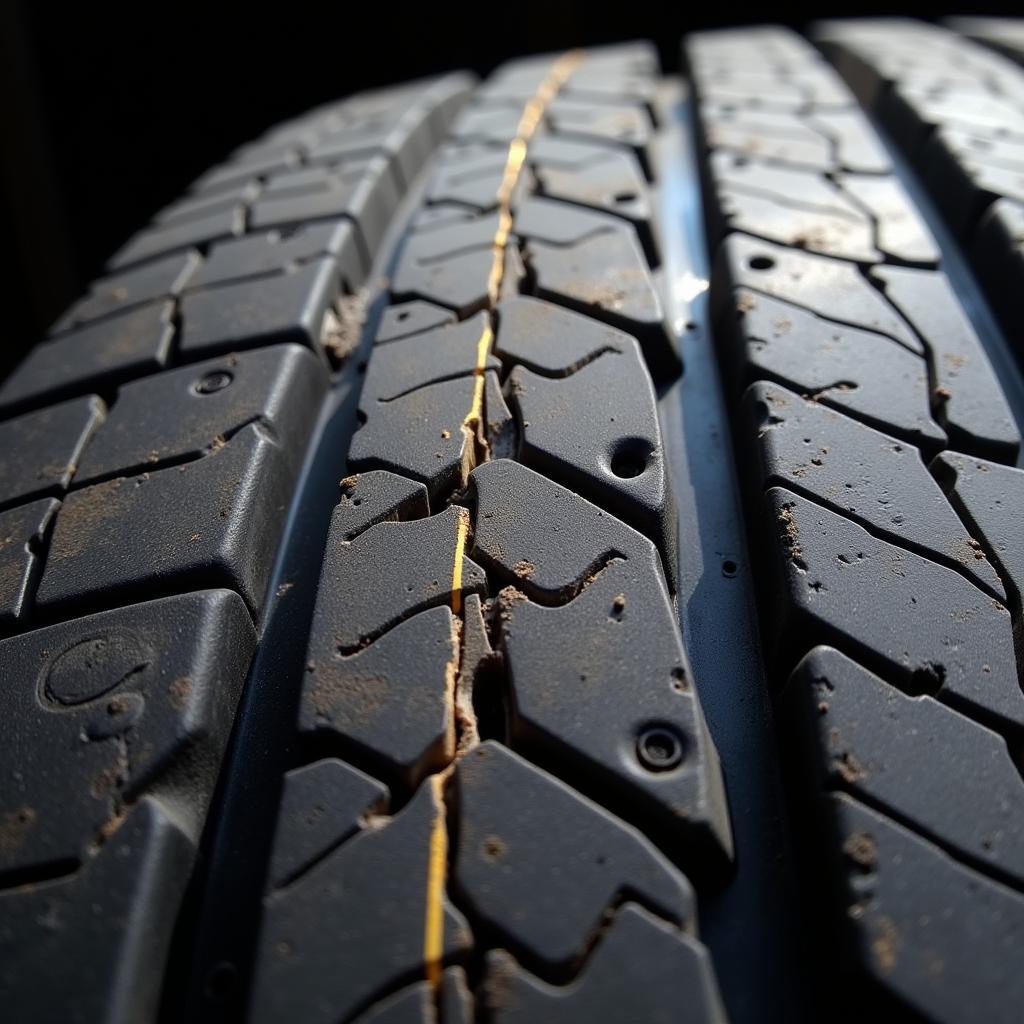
(867, 416)
(546, 550)
(957, 110)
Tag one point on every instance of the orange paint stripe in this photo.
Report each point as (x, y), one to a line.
(461, 530)
(433, 928)
(437, 864)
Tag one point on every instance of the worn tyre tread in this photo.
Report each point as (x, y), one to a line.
(884, 632)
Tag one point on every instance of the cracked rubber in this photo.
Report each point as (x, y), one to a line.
(461, 556)
(380, 639)
(877, 451)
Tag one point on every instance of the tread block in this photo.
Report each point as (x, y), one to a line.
(568, 698)
(427, 358)
(370, 498)
(933, 631)
(858, 149)
(246, 167)
(95, 356)
(410, 566)
(360, 948)
(519, 828)
(419, 435)
(93, 946)
(774, 137)
(642, 970)
(417, 1005)
(187, 413)
(955, 107)
(864, 373)
(953, 965)
(488, 125)
(308, 180)
(975, 412)
(194, 207)
(611, 450)
(369, 201)
(158, 279)
(615, 184)
(471, 175)
(606, 276)
(247, 314)
(259, 255)
(792, 207)
(49, 445)
(392, 699)
(322, 805)
(442, 214)
(129, 535)
(626, 124)
(558, 223)
(409, 318)
(165, 238)
(990, 497)
(902, 234)
(552, 341)
(829, 288)
(448, 265)
(22, 531)
(845, 215)
(861, 473)
(871, 740)
(101, 709)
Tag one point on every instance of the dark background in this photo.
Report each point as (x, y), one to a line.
(108, 113)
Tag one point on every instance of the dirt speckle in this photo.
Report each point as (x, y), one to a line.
(849, 767)
(493, 848)
(862, 849)
(14, 826)
(179, 692)
(885, 945)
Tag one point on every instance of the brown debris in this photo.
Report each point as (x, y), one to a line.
(862, 849)
(179, 692)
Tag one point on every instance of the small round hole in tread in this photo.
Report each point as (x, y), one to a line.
(760, 263)
(659, 748)
(630, 458)
(213, 382)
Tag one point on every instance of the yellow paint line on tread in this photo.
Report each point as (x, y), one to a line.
(461, 530)
(433, 929)
(514, 162)
(437, 867)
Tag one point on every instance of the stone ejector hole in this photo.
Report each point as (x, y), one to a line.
(659, 748)
(625, 197)
(213, 382)
(760, 263)
(729, 568)
(404, 315)
(630, 458)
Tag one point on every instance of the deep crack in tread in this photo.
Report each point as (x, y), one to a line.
(420, 672)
